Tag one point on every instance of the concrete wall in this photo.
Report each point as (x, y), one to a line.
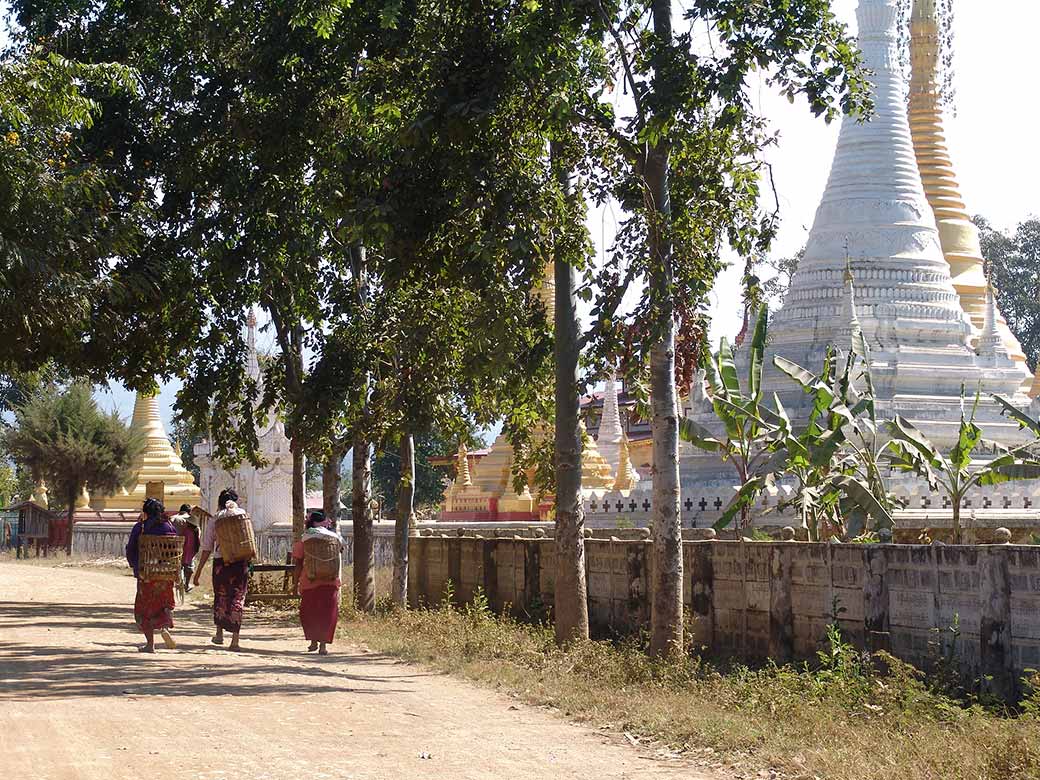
(776, 599)
(108, 540)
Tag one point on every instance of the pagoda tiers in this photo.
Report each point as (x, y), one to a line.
(875, 218)
(958, 235)
(160, 473)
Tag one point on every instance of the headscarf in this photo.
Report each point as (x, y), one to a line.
(318, 520)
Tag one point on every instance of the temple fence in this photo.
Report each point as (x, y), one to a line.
(975, 606)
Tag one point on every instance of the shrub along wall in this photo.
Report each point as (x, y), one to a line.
(978, 606)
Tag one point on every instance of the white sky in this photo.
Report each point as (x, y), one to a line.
(993, 140)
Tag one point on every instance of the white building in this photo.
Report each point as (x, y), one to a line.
(264, 492)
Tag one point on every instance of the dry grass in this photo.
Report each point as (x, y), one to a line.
(845, 720)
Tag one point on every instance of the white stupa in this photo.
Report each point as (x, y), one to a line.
(265, 492)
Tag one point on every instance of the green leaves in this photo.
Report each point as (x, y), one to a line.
(699, 436)
(1023, 419)
(62, 437)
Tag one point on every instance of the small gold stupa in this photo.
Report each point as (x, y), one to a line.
(160, 473)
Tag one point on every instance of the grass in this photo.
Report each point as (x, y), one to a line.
(849, 717)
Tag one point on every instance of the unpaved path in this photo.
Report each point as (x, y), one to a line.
(78, 701)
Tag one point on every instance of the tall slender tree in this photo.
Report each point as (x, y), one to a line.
(684, 164)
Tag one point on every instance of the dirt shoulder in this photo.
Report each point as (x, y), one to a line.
(78, 701)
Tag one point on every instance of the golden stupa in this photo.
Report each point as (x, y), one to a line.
(957, 233)
(160, 473)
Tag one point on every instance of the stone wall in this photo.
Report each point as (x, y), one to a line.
(101, 539)
(776, 599)
(105, 540)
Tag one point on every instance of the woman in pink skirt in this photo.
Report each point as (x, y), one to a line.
(319, 601)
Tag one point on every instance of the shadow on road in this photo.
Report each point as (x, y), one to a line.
(106, 662)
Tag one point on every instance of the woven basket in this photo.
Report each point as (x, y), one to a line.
(321, 559)
(235, 537)
(159, 557)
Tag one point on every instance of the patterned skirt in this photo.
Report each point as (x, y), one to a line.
(153, 606)
(229, 593)
(319, 612)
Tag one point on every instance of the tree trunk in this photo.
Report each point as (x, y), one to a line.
(956, 519)
(299, 491)
(570, 593)
(364, 547)
(666, 611)
(72, 516)
(331, 479)
(405, 516)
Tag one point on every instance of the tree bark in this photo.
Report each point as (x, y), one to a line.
(72, 516)
(364, 544)
(364, 548)
(299, 490)
(405, 516)
(331, 480)
(666, 624)
(570, 594)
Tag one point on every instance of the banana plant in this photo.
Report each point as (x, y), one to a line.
(748, 437)
(959, 472)
(835, 458)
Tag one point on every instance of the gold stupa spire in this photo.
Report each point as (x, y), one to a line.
(958, 235)
(157, 464)
(462, 468)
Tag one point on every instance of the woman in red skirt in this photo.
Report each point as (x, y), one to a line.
(319, 601)
(153, 606)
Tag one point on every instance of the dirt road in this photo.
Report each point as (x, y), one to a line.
(78, 701)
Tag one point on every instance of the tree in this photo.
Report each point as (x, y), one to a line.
(774, 289)
(570, 590)
(957, 473)
(404, 521)
(1014, 268)
(684, 165)
(62, 437)
(63, 225)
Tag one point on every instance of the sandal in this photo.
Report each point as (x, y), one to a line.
(168, 640)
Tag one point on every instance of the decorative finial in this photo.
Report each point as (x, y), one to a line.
(463, 477)
(251, 319)
(990, 344)
(627, 477)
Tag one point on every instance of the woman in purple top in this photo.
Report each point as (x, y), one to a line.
(153, 606)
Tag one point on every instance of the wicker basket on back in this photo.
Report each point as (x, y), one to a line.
(235, 537)
(159, 557)
(321, 558)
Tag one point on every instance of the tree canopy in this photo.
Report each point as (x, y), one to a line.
(1014, 267)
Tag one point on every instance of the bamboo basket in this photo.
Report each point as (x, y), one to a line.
(321, 559)
(159, 557)
(235, 536)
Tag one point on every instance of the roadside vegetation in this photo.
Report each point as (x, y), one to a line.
(848, 716)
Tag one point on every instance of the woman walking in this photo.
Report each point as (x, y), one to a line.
(319, 598)
(153, 606)
(229, 579)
